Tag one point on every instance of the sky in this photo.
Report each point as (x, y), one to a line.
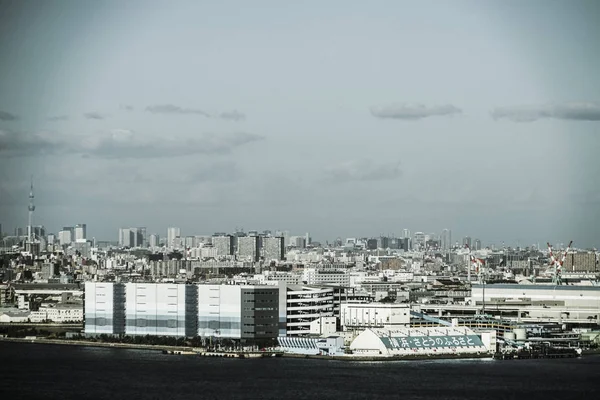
(338, 118)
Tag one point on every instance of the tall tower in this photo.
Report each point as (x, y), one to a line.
(31, 210)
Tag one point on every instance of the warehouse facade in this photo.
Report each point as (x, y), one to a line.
(181, 310)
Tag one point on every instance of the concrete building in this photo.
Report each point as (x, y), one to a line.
(80, 232)
(446, 239)
(172, 233)
(59, 313)
(398, 342)
(331, 345)
(248, 248)
(314, 276)
(104, 308)
(154, 240)
(64, 237)
(374, 315)
(273, 248)
(223, 245)
(238, 311)
(582, 262)
(562, 295)
(180, 310)
(419, 241)
(304, 304)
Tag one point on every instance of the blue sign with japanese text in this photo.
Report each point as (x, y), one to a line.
(427, 342)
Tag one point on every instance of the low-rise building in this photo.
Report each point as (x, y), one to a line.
(362, 316)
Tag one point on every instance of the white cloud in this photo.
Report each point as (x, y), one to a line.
(413, 111)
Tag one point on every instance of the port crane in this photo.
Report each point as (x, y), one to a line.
(478, 264)
(554, 262)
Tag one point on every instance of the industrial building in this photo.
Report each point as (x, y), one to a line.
(164, 309)
(565, 295)
(390, 342)
(238, 312)
(373, 315)
(330, 345)
(304, 304)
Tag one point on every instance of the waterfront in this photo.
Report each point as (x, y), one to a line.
(78, 372)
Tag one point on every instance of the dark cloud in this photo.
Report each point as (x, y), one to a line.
(233, 116)
(120, 143)
(173, 109)
(58, 118)
(6, 116)
(363, 170)
(566, 111)
(93, 115)
(15, 144)
(413, 111)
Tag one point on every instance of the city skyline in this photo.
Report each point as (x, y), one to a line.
(357, 119)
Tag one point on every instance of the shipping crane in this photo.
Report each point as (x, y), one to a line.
(478, 264)
(554, 262)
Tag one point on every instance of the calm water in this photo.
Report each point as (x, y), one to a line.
(68, 372)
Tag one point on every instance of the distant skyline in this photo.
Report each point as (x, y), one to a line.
(339, 118)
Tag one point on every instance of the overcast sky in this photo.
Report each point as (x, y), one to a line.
(338, 118)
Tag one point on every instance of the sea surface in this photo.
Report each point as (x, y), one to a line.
(37, 371)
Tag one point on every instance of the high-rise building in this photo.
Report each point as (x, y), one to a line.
(38, 232)
(248, 248)
(127, 237)
(273, 248)
(154, 240)
(223, 244)
(308, 239)
(405, 233)
(446, 239)
(477, 244)
(419, 241)
(80, 232)
(64, 237)
(467, 241)
(172, 233)
(141, 239)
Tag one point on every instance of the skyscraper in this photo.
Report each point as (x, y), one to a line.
(223, 244)
(154, 240)
(80, 232)
(172, 233)
(273, 248)
(248, 248)
(446, 239)
(467, 241)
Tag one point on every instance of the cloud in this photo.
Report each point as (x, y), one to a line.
(6, 116)
(126, 107)
(14, 144)
(363, 170)
(120, 143)
(173, 109)
(233, 116)
(565, 111)
(413, 111)
(58, 118)
(93, 115)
